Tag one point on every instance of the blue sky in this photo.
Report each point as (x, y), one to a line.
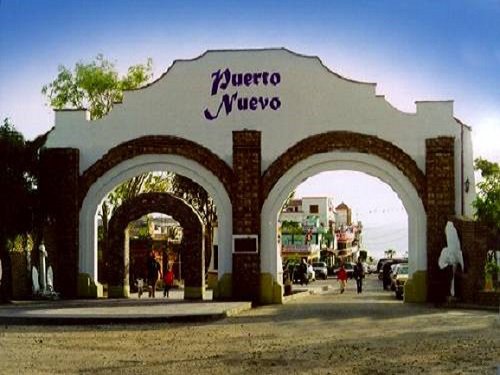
(413, 50)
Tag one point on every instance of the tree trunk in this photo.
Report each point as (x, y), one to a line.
(6, 281)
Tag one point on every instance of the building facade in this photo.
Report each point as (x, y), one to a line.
(249, 126)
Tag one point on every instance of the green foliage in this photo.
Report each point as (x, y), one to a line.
(196, 197)
(487, 202)
(144, 183)
(143, 233)
(95, 85)
(327, 239)
(16, 183)
(290, 197)
(491, 268)
(18, 192)
(291, 227)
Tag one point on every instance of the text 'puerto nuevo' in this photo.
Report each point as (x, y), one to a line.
(222, 80)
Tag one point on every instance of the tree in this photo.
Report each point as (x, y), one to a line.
(291, 227)
(144, 183)
(95, 85)
(288, 199)
(197, 197)
(487, 202)
(18, 189)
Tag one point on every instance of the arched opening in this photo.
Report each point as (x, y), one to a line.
(128, 168)
(372, 165)
(118, 255)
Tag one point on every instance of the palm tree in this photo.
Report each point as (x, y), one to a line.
(389, 253)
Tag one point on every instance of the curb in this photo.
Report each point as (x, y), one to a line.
(107, 320)
(236, 310)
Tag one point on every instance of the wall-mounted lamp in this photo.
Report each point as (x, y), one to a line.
(467, 185)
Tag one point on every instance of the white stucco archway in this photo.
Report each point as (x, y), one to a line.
(129, 168)
(360, 162)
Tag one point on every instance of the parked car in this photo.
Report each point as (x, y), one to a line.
(349, 269)
(320, 270)
(381, 262)
(372, 268)
(399, 278)
(294, 271)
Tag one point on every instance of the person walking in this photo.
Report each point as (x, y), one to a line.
(303, 272)
(386, 275)
(359, 275)
(168, 280)
(153, 273)
(342, 278)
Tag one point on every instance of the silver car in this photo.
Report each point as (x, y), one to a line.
(320, 270)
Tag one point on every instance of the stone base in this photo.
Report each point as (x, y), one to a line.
(212, 280)
(88, 288)
(118, 291)
(488, 298)
(270, 291)
(224, 288)
(416, 288)
(194, 292)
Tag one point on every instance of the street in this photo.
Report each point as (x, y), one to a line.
(328, 333)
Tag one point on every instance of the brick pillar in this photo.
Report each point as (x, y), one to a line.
(440, 175)
(246, 213)
(59, 176)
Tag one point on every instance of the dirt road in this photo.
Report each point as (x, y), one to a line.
(371, 333)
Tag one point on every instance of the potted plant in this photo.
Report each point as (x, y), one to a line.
(491, 275)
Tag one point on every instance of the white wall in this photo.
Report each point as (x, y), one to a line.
(322, 203)
(313, 100)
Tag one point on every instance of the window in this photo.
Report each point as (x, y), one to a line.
(314, 209)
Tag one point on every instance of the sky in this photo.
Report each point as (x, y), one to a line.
(413, 50)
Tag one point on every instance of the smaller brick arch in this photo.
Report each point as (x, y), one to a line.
(157, 144)
(192, 243)
(349, 142)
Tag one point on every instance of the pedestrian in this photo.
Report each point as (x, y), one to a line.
(386, 275)
(342, 278)
(168, 281)
(303, 272)
(153, 273)
(359, 275)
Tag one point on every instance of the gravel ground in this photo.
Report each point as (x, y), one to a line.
(371, 333)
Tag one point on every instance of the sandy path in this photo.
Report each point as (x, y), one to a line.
(370, 333)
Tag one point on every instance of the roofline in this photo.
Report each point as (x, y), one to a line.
(461, 123)
(250, 50)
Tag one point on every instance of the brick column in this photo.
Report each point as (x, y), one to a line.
(59, 175)
(246, 212)
(440, 175)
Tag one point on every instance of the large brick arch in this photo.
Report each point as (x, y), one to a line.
(157, 144)
(349, 142)
(133, 209)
